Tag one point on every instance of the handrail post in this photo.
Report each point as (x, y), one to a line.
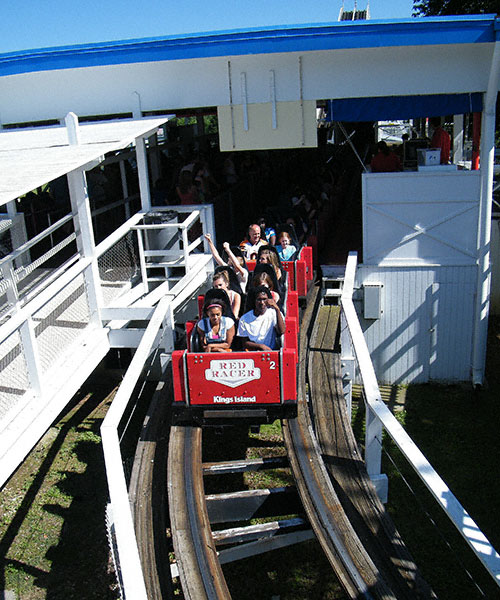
(373, 443)
(185, 249)
(30, 351)
(374, 428)
(348, 362)
(12, 293)
(142, 260)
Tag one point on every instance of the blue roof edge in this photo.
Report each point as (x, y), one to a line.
(463, 29)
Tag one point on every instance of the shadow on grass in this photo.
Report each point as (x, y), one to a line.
(80, 560)
(83, 550)
(457, 430)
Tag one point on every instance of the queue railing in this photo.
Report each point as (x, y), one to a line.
(357, 366)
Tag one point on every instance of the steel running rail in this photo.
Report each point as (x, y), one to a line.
(343, 548)
(379, 416)
(199, 567)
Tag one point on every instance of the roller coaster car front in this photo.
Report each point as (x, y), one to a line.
(216, 388)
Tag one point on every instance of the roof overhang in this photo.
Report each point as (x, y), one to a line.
(32, 157)
(462, 29)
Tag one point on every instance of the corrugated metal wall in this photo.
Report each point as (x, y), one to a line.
(425, 329)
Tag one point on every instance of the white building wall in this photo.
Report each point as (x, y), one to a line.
(425, 329)
(420, 243)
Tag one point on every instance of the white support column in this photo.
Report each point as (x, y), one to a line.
(7, 270)
(208, 225)
(185, 243)
(487, 155)
(373, 443)
(123, 175)
(142, 160)
(142, 260)
(18, 233)
(82, 218)
(142, 171)
(458, 138)
(168, 331)
(85, 240)
(373, 454)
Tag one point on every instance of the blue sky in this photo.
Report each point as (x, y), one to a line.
(27, 24)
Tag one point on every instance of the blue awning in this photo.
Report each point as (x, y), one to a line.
(386, 108)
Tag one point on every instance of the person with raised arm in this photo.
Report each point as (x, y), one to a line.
(236, 262)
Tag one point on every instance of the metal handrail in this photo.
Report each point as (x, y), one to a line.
(381, 416)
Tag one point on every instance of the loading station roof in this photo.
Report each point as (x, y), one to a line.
(31, 157)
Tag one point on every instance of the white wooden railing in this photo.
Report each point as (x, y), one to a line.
(355, 356)
(33, 345)
(159, 334)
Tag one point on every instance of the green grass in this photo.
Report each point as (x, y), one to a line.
(52, 530)
(456, 429)
(299, 571)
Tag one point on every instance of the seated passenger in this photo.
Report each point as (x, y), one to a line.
(216, 331)
(220, 281)
(259, 327)
(237, 261)
(263, 278)
(267, 233)
(285, 247)
(269, 255)
(251, 244)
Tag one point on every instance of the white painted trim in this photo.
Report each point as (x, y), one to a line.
(272, 93)
(458, 138)
(142, 171)
(244, 97)
(487, 158)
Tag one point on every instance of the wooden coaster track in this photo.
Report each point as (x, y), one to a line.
(342, 507)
